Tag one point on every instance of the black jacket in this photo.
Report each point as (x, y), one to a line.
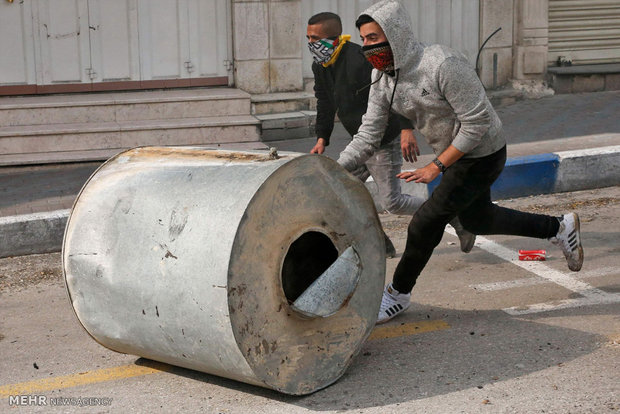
(343, 88)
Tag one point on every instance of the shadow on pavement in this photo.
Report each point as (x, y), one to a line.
(479, 348)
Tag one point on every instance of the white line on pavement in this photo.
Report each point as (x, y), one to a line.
(591, 295)
(531, 281)
(605, 299)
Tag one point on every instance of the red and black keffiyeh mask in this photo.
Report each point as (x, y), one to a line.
(380, 57)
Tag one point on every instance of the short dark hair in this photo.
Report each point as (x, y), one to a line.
(363, 19)
(330, 21)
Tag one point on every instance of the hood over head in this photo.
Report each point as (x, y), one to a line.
(395, 22)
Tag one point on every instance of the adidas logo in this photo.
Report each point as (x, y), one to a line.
(425, 92)
(393, 310)
(572, 240)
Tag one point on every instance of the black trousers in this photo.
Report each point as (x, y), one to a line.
(464, 191)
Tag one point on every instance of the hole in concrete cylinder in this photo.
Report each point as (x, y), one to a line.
(307, 258)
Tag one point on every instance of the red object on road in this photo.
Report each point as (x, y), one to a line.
(532, 255)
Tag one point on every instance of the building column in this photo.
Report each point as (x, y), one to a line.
(267, 46)
(531, 39)
(496, 57)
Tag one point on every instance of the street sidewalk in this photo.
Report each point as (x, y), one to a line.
(34, 200)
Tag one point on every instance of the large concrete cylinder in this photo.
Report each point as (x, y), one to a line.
(267, 270)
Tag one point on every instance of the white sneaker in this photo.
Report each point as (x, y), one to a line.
(392, 303)
(569, 240)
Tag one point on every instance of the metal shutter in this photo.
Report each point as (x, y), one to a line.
(587, 31)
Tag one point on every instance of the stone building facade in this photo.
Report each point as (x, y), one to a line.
(268, 36)
(259, 47)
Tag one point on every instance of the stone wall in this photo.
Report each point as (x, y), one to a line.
(521, 45)
(531, 39)
(495, 14)
(268, 36)
(267, 45)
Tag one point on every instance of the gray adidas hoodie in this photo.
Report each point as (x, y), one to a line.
(437, 89)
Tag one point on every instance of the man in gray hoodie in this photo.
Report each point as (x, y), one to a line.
(438, 90)
(341, 85)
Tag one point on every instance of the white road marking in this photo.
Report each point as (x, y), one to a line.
(605, 299)
(531, 281)
(591, 295)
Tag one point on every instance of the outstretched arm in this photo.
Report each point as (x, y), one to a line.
(325, 110)
(374, 122)
(431, 171)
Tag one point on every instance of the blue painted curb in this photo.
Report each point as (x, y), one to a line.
(525, 176)
(522, 176)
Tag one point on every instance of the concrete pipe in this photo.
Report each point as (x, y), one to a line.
(261, 268)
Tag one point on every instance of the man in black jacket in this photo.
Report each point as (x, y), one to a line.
(341, 85)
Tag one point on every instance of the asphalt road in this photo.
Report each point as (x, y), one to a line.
(483, 335)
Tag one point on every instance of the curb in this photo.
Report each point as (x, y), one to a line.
(522, 176)
(32, 233)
